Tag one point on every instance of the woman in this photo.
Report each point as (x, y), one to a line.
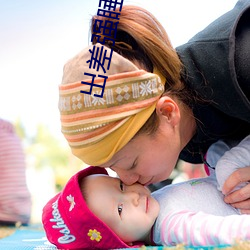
(138, 124)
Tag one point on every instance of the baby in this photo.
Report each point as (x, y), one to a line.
(96, 211)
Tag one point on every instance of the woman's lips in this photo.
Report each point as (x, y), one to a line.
(148, 183)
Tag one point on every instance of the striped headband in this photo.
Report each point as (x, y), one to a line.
(96, 128)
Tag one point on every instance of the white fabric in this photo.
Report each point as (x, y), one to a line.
(194, 212)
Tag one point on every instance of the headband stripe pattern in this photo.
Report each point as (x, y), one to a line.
(96, 128)
(87, 119)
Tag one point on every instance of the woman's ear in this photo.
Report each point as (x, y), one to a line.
(168, 109)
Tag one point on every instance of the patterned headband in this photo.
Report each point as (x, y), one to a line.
(97, 127)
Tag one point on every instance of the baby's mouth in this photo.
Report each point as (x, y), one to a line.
(147, 203)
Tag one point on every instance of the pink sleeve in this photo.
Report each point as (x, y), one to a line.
(15, 200)
(201, 229)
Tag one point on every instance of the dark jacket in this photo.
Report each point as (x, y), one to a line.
(217, 67)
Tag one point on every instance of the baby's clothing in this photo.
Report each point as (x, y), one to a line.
(194, 212)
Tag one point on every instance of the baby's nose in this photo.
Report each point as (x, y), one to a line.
(133, 197)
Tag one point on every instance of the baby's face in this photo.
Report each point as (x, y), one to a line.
(130, 211)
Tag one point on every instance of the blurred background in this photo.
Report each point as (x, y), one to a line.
(36, 39)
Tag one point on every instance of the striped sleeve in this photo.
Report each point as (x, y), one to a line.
(15, 200)
(201, 229)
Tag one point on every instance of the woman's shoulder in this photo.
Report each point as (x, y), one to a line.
(209, 65)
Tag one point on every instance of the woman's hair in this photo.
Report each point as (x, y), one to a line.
(141, 38)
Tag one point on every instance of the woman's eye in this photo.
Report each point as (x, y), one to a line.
(120, 206)
(121, 186)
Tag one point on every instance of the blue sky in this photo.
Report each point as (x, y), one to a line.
(38, 37)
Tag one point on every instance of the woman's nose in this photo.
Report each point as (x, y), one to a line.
(126, 177)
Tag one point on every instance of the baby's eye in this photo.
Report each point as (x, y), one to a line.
(120, 206)
(121, 186)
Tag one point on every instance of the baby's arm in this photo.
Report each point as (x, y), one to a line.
(214, 153)
(237, 157)
(201, 229)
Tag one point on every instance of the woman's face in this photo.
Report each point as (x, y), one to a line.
(147, 159)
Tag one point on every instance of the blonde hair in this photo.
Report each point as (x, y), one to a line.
(140, 37)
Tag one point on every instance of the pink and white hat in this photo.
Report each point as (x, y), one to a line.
(69, 223)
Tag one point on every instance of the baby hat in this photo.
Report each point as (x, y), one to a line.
(69, 223)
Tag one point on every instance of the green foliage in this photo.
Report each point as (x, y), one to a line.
(20, 130)
(45, 150)
(48, 150)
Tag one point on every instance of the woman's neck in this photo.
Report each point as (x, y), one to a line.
(187, 125)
